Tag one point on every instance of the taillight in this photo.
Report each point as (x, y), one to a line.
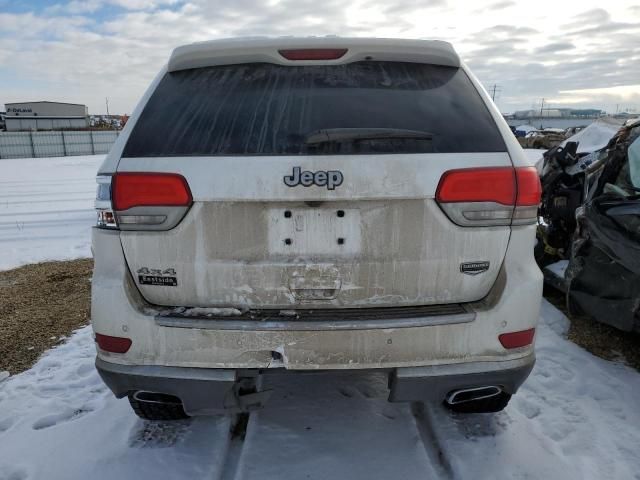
(517, 339)
(149, 190)
(478, 185)
(490, 196)
(142, 201)
(113, 344)
(529, 192)
(529, 188)
(106, 218)
(313, 53)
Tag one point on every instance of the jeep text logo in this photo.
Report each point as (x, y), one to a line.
(331, 179)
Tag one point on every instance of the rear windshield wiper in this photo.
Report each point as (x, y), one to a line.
(347, 134)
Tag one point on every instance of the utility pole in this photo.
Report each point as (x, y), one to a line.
(106, 100)
(494, 89)
(541, 109)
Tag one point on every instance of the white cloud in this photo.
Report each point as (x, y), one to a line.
(141, 4)
(557, 50)
(618, 98)
(623, 91)
(75, 7)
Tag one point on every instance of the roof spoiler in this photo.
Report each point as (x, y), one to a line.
(267, 50)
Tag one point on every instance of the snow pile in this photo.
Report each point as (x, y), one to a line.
(46, 208)
(558, 268)
(575, 418)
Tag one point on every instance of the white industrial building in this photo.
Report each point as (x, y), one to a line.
(30, 116)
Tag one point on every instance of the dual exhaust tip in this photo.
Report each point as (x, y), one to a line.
(472, 394)
(455, 397)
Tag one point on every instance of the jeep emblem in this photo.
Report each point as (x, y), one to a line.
(331, 178)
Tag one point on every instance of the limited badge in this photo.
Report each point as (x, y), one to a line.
(474, 268)
(158, 277)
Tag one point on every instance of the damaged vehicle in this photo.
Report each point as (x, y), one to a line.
(305, 205)
(547, 138)
(590, 221)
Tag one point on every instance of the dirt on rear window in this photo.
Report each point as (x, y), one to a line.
(40, 305)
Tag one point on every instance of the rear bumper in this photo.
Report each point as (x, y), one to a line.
(206, 391)
(202, 390)
(433, 383)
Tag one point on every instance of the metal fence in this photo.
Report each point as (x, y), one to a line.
(55, 144)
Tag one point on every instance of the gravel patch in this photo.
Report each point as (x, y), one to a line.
(41, 304)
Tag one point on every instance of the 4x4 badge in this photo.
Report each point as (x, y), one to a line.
(157, 277)
(474, 268)
(330, 178)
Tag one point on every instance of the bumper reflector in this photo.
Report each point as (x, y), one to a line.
(113, 344)
(517, 339)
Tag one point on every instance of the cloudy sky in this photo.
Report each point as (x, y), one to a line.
(583, 53)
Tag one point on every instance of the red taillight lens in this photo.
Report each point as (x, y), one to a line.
(113, 344)
(149, 189)
(490, 196)
(313, 53)
(517, 339)
(478, 185)
(529, 188)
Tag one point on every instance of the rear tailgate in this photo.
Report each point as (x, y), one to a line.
(398, 248)
(360, 228)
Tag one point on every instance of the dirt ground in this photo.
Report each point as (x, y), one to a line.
(40, 304)
(600, 339)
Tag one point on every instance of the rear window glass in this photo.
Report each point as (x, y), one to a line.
(357, 108)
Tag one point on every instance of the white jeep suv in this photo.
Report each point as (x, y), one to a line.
(314, 204)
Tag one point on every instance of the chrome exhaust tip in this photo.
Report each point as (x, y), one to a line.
(154, 397)
(471, 394)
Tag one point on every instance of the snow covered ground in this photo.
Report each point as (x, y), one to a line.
(576, 417)
(46, 208)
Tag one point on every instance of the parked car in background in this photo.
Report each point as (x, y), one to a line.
(314, 205)
(547, 138)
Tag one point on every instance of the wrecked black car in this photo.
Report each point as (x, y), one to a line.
(589, 228)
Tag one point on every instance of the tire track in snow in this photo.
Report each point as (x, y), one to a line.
(424, 419)
(235, 445)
